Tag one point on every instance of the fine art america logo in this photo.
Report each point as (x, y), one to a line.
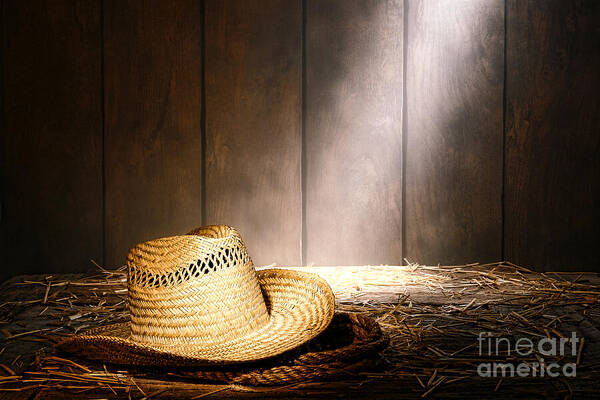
(556, 348)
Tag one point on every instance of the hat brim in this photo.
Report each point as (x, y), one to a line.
(300, 304)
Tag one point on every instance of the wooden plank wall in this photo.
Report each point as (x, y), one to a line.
(454, 77)
(328, 131)
(253, 131)
(52, 136)
(153, 126)
(353, 132)
(553, 134)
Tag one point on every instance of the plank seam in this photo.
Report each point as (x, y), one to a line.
(304, 235)
(103, 130)
(203, 210)
(404, 131)
(504, 102)
(2, 133)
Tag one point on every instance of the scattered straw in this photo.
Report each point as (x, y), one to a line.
(433, 316)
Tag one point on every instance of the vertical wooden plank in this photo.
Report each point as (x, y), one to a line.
(52, 147)
(253, 132)
(552, 142)
(353, 131)
(153, 140)
(454, 133)
(2, 139)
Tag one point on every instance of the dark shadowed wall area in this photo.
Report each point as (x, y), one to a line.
(329, 132)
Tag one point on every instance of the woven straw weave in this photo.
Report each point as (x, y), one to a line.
(196, 300)
(349, 345)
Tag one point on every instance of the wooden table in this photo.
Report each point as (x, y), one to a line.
(433, 315)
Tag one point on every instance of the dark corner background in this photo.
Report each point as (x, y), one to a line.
(334, 132)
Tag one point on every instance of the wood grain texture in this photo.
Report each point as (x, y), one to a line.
(454, 131)
(353, 133)
(52, 137)
(434, 294)
(552, 134)
(153, 132)
(253, 132)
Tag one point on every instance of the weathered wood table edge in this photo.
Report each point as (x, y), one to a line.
(432, 314)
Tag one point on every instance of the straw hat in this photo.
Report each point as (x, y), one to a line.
(196, 300)
(349, 345)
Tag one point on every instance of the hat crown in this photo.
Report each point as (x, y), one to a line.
(198, 289)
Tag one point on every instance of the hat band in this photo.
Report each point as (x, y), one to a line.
(211, 261)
